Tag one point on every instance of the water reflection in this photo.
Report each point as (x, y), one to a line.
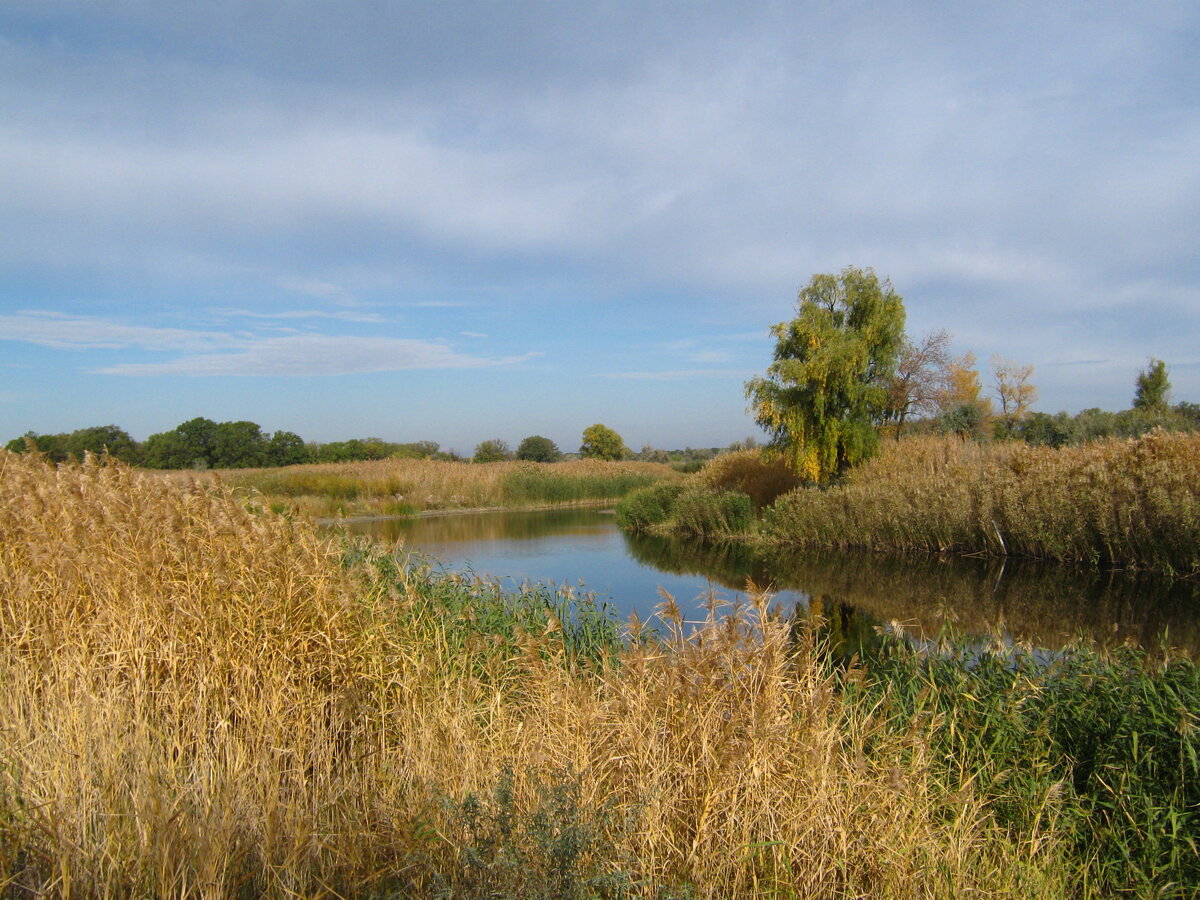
(1039, 604)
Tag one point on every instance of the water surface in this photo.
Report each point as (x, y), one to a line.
(1043, 605)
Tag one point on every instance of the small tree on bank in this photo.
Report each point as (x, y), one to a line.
(536, 448)
(827, 389)
(601, 442)
(1153, 387)
(1014, 391)
(494, 450)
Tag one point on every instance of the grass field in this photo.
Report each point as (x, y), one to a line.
(204, 699)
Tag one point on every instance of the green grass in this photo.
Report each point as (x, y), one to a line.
(1099, 751)
(535, 485)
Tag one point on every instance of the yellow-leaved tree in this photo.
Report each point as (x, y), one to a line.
(827, 390)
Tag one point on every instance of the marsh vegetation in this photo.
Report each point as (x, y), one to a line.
(206, 699)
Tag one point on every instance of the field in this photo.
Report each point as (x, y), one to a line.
(407, 486)
(202, 698)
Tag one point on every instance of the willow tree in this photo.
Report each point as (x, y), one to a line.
(827, 390)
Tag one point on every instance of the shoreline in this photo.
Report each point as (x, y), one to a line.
(326, 521)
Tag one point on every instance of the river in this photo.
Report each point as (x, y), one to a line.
(1043, 605)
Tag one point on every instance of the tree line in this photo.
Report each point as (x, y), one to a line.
(201, 443)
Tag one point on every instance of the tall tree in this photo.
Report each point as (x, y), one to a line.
(922, 378)
(828, 386)
(601, 442)
(1153, 387)
(1013, 390)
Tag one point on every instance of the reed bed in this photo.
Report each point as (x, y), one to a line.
(204, 700)
(405, 486)
(1119, 503)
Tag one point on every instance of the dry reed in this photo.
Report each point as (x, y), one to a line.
(1114, 503)
(203, 701)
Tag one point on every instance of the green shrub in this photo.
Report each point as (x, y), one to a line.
(713, 513)
(649, 506)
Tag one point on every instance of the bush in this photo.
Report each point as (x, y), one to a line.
(713, 513)
(761, 477)
(648, 506)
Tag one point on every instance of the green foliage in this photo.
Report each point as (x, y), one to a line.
(536, 448)
(286, 449)
(98, 439)
(494, 450)
(828, 386)
(649, 506)
(1104, 751)
(1062, 429)
(533, 484)
(460, 611)
(601, 442)
(1153, 387)
(709, 514)
(549, 852)
(964, 420)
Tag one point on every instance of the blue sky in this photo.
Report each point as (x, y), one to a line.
(453, 221)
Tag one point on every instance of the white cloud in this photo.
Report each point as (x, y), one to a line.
(317, 355)
(679, 374)
(344, 316)
(239, 352)
(67, 332)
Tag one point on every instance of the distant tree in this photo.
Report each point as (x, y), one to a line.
(538, 449)
(200, 435)
(1013, 390)
(238, 445)
(418, 450)
(494, 450)
(171, 450)
(1189, 413)
(648, 453)
(922, 378)
(965, 420)
(51, 445)
(286, 449)
(1056, 430)
(601, 442)
(99, 439)
(1153, 387)
(827, 389)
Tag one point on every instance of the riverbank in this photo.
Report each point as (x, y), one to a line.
(206, 699)
(482, 510)
(398, 487)
(1108, 504)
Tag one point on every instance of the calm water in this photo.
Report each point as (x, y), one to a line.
(1043, 605)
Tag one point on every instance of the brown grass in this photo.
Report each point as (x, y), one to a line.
(200, 701)
(1112, 503)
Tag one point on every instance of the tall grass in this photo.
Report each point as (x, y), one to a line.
(403, 486)
(203, 701)
(1103, 752)
(1111, 503)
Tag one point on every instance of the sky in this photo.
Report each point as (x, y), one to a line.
(456, 221)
